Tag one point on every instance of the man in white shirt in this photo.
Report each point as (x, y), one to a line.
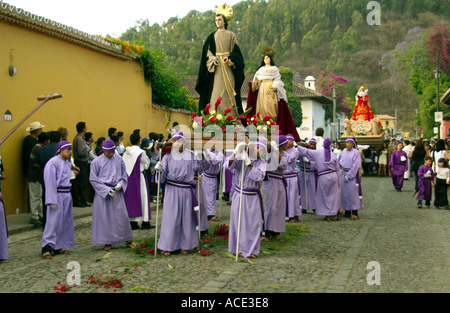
(319, 138)
(407, 148)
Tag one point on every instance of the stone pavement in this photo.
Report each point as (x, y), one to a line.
(394, 244)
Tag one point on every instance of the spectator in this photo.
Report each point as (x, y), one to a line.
(319, 138)
(29, 142)
(34, 185)
(81, 157)
(120, 148)
(98, 146)
(112, 132)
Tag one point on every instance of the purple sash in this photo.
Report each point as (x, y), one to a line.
(194, 198)
(254, 192)
(281, 177)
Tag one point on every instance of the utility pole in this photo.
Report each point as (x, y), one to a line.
(437, 83)
(334, 113)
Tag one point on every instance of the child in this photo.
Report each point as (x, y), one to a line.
(179, 220)
(58, 232)
(441, 184)
(426, 178)
(252, 209)
(108, 176)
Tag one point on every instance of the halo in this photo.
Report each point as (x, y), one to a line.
(226, 10)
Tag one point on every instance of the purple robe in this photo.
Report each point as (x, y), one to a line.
(110, 222)
(3, 232)
(228, 177)
(136, 195)
(252, 207)
(209, 182)
(399, 167)
(327, 192)
(307, 176)
(424, 187)
(293, 183)
(275, 197)
(350, 163)
(179, 220)
(59, 231)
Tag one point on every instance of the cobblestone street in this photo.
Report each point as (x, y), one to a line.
(410, 245)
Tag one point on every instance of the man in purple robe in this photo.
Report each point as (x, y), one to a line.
(350, 163)
(3, 232)
(275, 194)
(179, 220)
(58, 232)
(137, 194)
(252, 210)
(108, 177)
(426, 179)
(398, 166)
(307, 176)
(327, 192)
(209, 182)
(290, 174)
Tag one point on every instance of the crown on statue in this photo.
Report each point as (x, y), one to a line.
(267, 51)
(364, 85)
(226, 10)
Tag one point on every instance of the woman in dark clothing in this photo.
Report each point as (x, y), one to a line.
(417, 156)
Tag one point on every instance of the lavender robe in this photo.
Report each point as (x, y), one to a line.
(424, 187)
(327, 192)
(3, 232)
(209, 182)
(110, 222)
(252, 210)
(59, 231)
(307, 176)
(399, 167)
(293, 182)
(178, 226)
(228, 176)
(136, 195)
(275, 197)
(350, 162)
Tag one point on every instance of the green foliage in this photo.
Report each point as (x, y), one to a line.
(164, 81)
(294, 102)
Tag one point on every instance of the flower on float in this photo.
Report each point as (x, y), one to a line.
(227, 111)
(195, 124)
(213, 119)
(219, 117)
(207, 108)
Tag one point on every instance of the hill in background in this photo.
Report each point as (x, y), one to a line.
(310, 37)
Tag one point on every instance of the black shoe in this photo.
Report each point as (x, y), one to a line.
(146, 225)
(36, 222)
(134, 225)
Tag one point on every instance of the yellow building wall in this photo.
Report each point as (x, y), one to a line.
(101, 90)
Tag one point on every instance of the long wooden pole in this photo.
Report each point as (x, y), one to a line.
(44, 100)
(240, 207)
(157, 203)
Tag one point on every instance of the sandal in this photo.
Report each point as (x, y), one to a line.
(107, 247)
(183, 252)
(252, 256)
(131, 244)
(328, 219)
(214, 219)
(263, 238)
(47, 255)
(278, 238)
(354, 217)
(166, 253)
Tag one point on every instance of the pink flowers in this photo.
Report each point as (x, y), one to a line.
(208, 106)
(218, 102)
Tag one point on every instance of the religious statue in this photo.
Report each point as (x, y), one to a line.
(267, 95)
(362, 106)
(221, 71)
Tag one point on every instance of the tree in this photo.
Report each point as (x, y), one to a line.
(294, 102)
